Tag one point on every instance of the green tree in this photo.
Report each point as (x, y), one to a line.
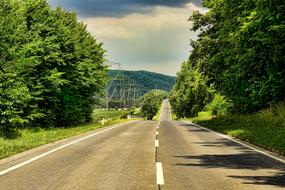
(14, 94)
(51, 67)
(191, 92)
(151, 103)
(240, 49)
(239, 54)
(64, 62)
(87, 76)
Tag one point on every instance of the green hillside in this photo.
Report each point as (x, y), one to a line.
(144, 80)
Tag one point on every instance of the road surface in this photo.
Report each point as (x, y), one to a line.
(143, 155)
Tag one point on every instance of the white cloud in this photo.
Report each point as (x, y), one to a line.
(157, 41)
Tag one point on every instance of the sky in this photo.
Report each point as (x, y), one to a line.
(152, 35)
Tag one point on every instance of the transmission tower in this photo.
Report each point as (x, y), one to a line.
(122, 91)
(108, 98)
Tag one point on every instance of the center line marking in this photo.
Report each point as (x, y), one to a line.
(156, 132)
(159, 174)
(55, 150)
(156, 144)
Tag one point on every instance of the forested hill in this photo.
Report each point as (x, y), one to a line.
(146, 80)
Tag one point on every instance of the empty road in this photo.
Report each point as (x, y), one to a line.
(144, 155)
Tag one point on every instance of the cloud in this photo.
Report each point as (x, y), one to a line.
(158, 41)
(117, 8)
(148, 35)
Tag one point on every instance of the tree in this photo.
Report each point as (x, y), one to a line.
(190, 93)
(14, 94)
(240, 49)
(51, 67)
(239, 54)
(65, 65)
(151, 103)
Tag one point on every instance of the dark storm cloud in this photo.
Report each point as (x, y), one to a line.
(116, 8)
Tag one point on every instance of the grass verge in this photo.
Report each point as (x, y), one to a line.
(31, 138)
(265, 129)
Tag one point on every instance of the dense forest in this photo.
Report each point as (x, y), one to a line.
(51, 68)
(146, 80)
(237, 62)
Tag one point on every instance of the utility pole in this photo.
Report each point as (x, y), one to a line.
(126, 91)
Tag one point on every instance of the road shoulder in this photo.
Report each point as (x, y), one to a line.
(243, 143)
(26, 155)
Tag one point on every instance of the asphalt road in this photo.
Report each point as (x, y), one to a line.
(126, 157)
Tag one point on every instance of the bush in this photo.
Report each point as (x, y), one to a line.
(151, 103)
(219, 105)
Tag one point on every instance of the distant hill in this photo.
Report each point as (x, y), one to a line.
(145, 80)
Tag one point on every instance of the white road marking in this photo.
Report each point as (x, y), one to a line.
(156, 143)
(243, 144)
(156, 132)
(159, 174)
(157, 127)
(54, 150)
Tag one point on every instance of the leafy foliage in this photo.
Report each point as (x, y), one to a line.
(219, 105)
(151, 103)
(239, 53)
(51, 67)
(190, 93)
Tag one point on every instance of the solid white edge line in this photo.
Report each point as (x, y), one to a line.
(243, 144)
(159, 174)
(54, 150)
(156, 143)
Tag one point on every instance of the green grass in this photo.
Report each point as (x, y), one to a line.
(31, 138)
(265, 128)
(110, 115)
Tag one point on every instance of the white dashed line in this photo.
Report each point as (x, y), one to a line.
(159, 174)
(156, 133)
(156, 143)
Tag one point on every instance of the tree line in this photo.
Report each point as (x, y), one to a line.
(237, 62)
(51, 68)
